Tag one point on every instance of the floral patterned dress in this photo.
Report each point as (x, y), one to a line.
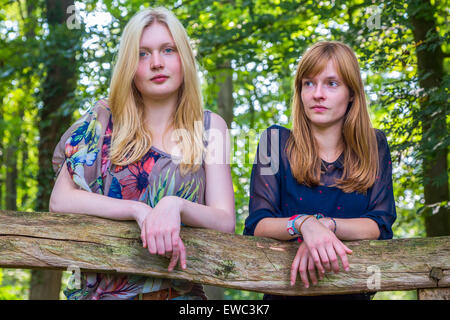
(85, 148)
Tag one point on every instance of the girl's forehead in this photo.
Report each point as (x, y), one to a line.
(326, 69)
(155, 35)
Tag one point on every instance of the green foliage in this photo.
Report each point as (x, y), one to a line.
(14, 284)
(262, 41)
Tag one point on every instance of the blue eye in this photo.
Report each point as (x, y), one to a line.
(307, 83)
(169, 50)
(142, 54)
(333, 83)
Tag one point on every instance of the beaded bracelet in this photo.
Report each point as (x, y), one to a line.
(300, 226)
(291, 229)
(335, 226)
(319, 216)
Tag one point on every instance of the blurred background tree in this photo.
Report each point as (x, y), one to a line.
(56, 58)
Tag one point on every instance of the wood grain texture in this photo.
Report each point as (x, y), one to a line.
(434, 294)
(59, 241)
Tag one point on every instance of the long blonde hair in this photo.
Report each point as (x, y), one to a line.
(131, 139)
(361, 150)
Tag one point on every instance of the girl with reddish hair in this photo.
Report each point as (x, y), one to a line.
(327, 179)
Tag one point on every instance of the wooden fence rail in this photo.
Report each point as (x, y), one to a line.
(60, 241)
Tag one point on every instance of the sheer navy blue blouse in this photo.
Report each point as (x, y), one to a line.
(274, 192)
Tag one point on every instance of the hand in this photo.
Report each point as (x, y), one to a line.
(302, 263)
(323, 245)
(327, 222)
(160, 231)
(141, 210)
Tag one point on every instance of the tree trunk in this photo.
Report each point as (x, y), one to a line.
(25, 177)
(11, 174)
(225, 97)
(430, 60)
(58, 86)
(2, 151)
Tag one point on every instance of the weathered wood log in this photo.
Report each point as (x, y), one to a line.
(59, 241)
(434, 294)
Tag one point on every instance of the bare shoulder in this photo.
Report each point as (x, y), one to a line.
(217, 122)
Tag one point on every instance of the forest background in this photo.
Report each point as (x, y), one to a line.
(56, 58)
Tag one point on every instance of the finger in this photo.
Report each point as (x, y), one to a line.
(182, 253)
(143, 235)
(173, 261)
(333, 258)
(168, 242)
(175, 251)
(317, 262)
(324, 258)
(312, 270)
(295, 265)
(151, 243)
(342, 254)
(303, 269)
(150, 240)
(160, 244)
(347, 249)
(175, 241)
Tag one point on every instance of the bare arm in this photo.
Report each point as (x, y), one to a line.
(355, 229)
(219, 211)
(346, 229)
(274, 228)
(66, 197)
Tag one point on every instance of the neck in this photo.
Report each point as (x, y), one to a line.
(329, 141)
(158, 113)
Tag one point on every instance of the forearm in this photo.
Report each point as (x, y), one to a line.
(198, 215)
(80, 201)
(356, 229)
(274, 228)
(346, 229)
(66, 197)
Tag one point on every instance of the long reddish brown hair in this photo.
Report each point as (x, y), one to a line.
(360, 143)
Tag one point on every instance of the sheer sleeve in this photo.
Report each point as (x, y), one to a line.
(265, 181)
(381, 197)
(80, 147)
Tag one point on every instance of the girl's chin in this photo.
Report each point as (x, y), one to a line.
(325, 122)
(159, 95)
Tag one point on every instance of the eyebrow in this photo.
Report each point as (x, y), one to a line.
(333, 77)
(165, 44)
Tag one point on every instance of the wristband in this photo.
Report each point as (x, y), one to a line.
(300, 226)
(291, 229)
(319, 216)
(335, 226)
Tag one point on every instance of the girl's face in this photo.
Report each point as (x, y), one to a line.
(325, 97)
(159, 74)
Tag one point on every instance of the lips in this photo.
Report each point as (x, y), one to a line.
(159, 78)
(319, 108)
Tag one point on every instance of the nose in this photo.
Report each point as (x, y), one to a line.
(318, 93)
(156, 61)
